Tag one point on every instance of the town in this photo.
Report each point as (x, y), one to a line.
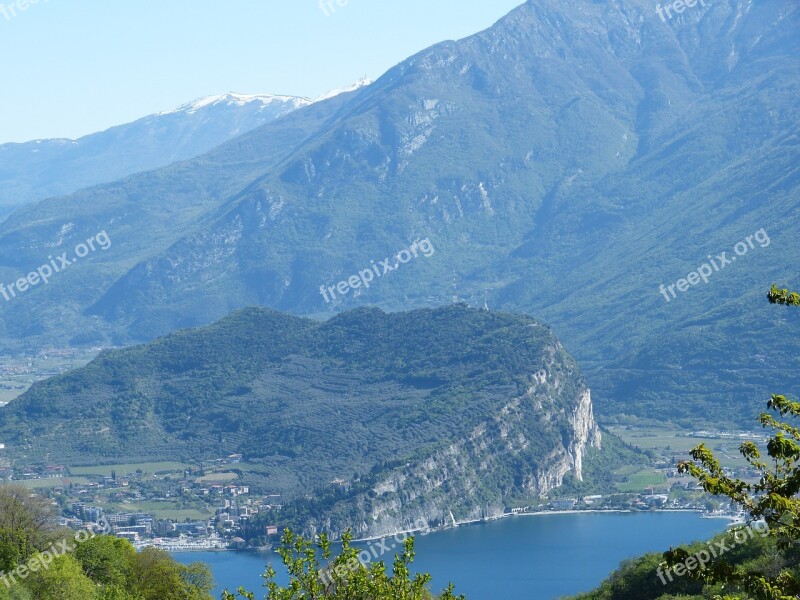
(212, 507)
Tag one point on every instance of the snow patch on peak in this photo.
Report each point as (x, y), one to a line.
(233, 99)
(350, 88)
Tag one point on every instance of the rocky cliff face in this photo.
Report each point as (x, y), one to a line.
(587, 433)
(370, 421)
(522, 452)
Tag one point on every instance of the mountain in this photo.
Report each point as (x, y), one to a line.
(145, 223)
(565, 163)
(41, 169)
(477, 407)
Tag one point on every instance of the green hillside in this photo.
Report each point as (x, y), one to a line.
(308, 401)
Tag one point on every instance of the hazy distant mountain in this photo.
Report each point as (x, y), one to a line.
(44, 168)
(566, 162)
(476, 408)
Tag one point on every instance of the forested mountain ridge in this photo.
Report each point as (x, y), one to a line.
(565, 163)
(488, 404)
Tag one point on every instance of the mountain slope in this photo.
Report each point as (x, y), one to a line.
(44, 168)
(487, 403)
(565, 162)
(143, 215)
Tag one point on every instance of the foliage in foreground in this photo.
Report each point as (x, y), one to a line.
(40, 562)
(344, 578)
(784, 296)
(638, 579)
(772, 499)
(760, 569)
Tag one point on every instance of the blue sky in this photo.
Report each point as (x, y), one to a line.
(72, 67)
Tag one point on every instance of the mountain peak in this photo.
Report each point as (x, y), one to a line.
(363, 82)
(232, 98)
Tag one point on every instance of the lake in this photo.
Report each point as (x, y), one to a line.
(538, 557)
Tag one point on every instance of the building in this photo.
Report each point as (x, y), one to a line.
(139, 530)
(119, 518)
(165, 527)
(566, 504)
(93, 514)
(657, 500)
(194, 528)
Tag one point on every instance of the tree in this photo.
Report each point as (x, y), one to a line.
(96, 568)
(157, 576)
(9, 551)
(25, 525)
(116, 592)
(107, 560)
(14, 592)
(344, 578)
(63, 580)
(197, 580)
(784, 296)
(772, 499)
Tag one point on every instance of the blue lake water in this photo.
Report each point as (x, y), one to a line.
(539, 557)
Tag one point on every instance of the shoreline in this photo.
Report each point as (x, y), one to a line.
(458, 524)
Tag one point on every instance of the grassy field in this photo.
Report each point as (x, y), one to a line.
(20, 373)
(665, 442)
(162, 510)
(656, 439)
(181, 514)
(127, 469)
(11, 389)
(217, 478)
(640, 480)
(38, 484)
